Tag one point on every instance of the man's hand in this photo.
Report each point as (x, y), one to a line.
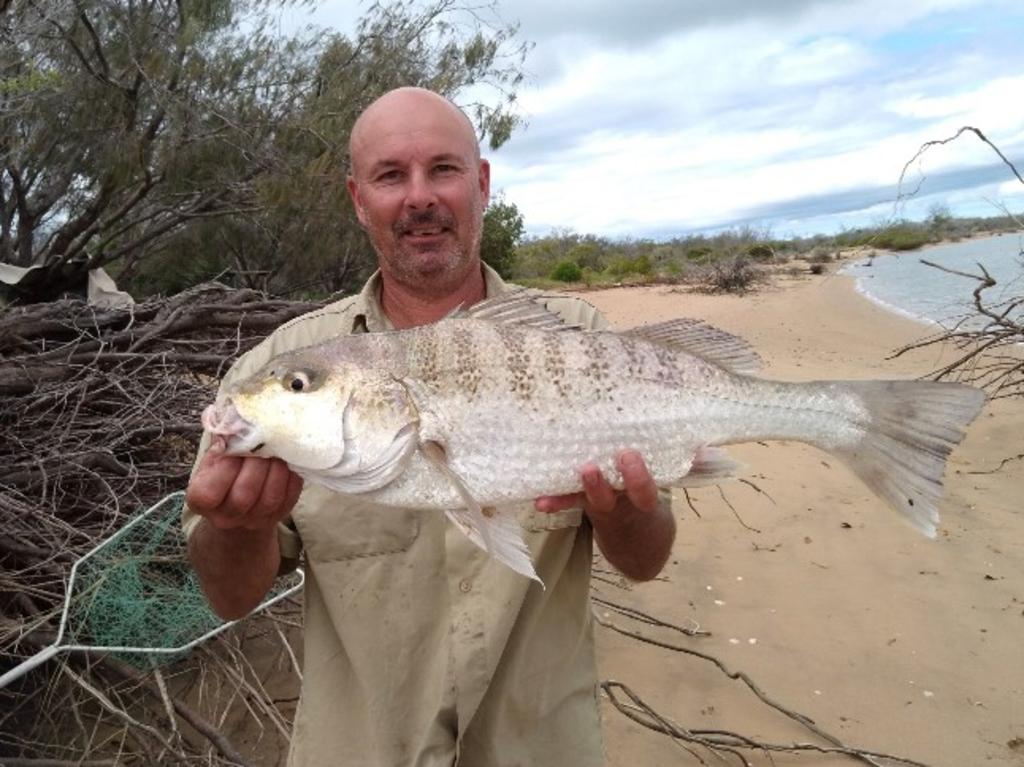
(235, 548)
(632, 528)
(242, 492)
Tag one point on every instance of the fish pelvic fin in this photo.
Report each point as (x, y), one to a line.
(497, 533)
(911, 428)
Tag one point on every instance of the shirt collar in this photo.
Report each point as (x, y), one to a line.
(369, 314)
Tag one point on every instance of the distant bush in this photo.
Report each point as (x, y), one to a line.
(620, 267)
(817, 268)
(567, 271)
(761, 252)
(902, 237)
(731, 275)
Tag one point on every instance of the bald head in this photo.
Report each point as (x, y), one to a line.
(407, 110)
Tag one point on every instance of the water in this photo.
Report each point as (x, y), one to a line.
(901, 283)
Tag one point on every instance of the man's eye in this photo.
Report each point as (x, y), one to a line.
(389, 177)
(445, 168)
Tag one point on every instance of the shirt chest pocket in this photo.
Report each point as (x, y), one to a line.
(334, 528)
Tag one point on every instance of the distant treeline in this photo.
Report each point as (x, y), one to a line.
(565, 256)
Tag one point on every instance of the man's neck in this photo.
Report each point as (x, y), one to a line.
(407, 308)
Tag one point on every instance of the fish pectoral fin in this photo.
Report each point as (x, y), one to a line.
(496, 533)
(499, 535)
(711, 466)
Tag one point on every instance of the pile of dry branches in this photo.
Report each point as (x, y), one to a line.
(100, 420)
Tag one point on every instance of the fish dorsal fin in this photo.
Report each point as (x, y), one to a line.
(517, 307)
(706, 341)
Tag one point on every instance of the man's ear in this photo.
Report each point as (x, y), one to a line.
(485, 181)
(357, 203)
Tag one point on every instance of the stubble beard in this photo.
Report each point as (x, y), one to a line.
(433, 270)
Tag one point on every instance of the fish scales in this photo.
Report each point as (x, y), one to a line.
(521, 432)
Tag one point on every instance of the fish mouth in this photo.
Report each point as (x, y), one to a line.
(240, 436)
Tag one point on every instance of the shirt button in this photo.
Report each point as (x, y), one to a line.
(465, 586)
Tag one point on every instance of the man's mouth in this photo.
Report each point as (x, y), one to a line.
(431, 231)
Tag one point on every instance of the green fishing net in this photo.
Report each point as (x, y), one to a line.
(135, 595)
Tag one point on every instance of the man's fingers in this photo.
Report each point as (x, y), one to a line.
(294, 491)
(552, 503)
(639, 485)
(273, 492)
(247, 488)
(600, 495)
(212, 482)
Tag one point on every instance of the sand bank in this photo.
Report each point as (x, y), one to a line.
(832, 604)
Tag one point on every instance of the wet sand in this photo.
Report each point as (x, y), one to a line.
(833, 605)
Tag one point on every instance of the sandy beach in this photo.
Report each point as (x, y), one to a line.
(833, 605)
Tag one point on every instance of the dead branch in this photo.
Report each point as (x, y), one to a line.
(719, 740)
(724, 741)
(988, 341)
(100, 420)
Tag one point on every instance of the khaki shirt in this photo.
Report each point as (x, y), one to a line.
(419, 649)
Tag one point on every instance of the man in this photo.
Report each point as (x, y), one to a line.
(419, 650)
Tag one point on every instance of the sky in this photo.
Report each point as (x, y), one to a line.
(664, 118)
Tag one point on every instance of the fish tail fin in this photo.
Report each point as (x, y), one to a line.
(909, 431)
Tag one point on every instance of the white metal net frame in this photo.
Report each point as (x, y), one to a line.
(285, 587)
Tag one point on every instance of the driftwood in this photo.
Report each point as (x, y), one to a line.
(100, 419)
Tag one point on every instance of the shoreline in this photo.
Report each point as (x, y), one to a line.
(856, 260)
(811, 585)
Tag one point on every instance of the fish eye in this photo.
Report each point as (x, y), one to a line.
(297, 381)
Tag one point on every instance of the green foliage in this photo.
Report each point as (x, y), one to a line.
(621, 267)
(567, 271)
(903, 236)
(192, 136)
(502, 233)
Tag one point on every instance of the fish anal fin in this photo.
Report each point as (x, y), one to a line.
(711, 466)
(703, 340)
(496, 533)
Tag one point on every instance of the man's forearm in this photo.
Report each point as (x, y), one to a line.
(236, 567)
(637, 543)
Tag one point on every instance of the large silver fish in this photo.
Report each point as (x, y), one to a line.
(503, 403)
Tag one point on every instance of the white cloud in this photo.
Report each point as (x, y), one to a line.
(657, 116)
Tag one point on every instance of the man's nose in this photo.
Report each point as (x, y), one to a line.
(420, 192)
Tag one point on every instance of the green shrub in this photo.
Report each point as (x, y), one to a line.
(620, 267)
(761, 252)
(567, 271)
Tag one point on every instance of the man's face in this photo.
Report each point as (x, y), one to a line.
(420, 191)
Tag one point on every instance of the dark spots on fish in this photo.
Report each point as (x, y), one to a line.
(554, 364)
(467, 363)
(517, 359)
(910, 501)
